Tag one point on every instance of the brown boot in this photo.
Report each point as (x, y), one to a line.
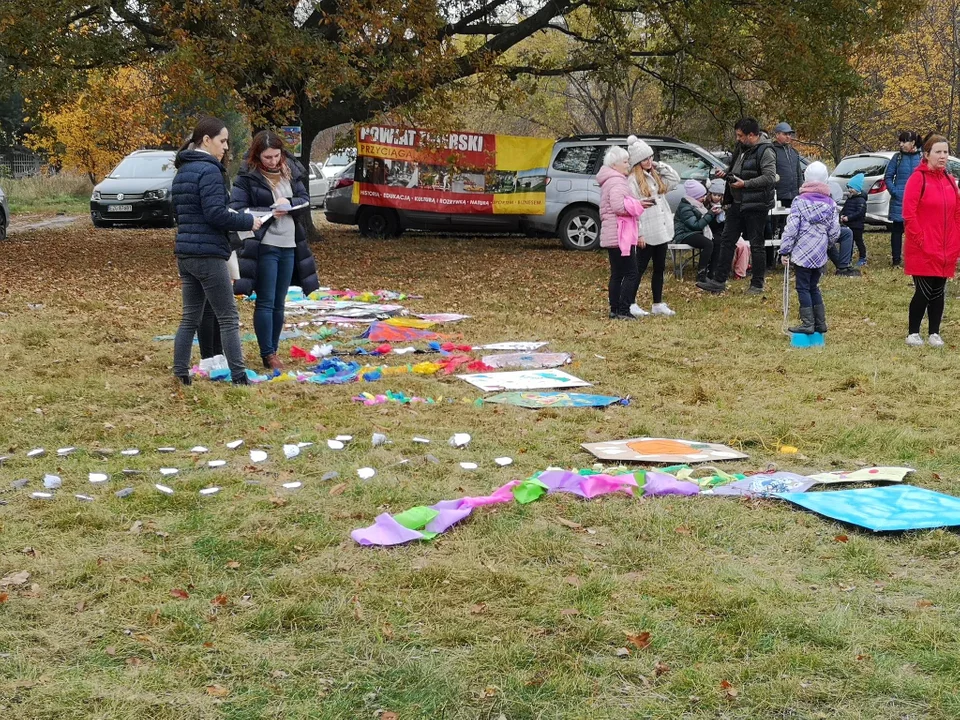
(273, 362)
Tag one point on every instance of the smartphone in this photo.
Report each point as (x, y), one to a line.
(733, 178)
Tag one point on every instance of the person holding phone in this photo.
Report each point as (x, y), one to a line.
(200, 198)
(749, 196)
(279, 253)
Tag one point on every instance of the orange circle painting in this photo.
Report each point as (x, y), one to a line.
(660, 447)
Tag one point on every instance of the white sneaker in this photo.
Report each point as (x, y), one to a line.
(915, 340)
(637, 311)
(935, 340)
(661, 309)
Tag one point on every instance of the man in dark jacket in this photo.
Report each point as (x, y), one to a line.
(788, 164)
(750, 187)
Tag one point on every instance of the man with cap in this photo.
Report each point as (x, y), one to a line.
(749, 194)
(788, 164)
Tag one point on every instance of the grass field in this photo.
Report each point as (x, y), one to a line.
(255, 603)
(63, 193)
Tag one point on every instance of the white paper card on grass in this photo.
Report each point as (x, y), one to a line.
(524, 380)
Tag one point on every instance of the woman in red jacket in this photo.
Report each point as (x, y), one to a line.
(931, 215)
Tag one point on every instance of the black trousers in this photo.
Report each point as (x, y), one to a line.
(624, 280)
(858, 241)
(705, 246)
(928, 298)
(750, 225)
(896, 241)
(657, 253)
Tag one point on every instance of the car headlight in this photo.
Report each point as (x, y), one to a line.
(155, 194)
(96, 195)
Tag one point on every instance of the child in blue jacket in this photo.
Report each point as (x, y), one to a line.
(853, 214)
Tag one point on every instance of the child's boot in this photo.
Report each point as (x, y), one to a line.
(819, 318)
(806, 326)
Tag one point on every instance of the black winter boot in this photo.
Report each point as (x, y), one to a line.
(702, 276)
(820, 318)
(806, 326)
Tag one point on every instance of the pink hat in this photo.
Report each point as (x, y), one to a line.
(694, 189)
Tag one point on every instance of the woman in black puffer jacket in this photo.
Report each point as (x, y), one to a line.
(279, 253)
(200, 200)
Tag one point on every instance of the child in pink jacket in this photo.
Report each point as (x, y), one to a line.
(619, 231)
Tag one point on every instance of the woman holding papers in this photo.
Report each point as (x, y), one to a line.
(200, 199)
(271, 186)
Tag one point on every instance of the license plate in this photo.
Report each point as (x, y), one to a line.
(121, 208)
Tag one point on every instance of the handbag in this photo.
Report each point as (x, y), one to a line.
(233, 266)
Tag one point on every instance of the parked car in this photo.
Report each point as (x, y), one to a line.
(873, 165)
(4, 216)
(136, 192)
(335, 163)
(572, 195)
(319, 185)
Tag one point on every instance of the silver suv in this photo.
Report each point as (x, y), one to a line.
(572, 196)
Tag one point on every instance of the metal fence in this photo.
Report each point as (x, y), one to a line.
(18, 163)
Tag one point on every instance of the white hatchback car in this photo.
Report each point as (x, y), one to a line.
(319, 186)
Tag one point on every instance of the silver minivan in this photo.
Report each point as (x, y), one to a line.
(572, 195)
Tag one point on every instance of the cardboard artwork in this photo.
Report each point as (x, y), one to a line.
(527, 360)
(523, 380)
(512, 346)
(537, 400)
(661, 450)
(764, 485)
(871, 474)
(891, 508)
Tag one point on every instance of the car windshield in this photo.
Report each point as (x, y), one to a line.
(338, 161)
(144, 167)
(867, 164)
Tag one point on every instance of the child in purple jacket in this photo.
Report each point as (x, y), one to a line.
(812, 226)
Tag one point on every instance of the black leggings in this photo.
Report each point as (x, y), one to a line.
(928, 297)
(659, 255)
(705, 246)
(858, 241)
(624, 280)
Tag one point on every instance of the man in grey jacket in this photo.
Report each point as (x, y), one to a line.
(750, 186)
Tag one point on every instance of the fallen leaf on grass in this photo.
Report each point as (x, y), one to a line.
(217, 691)
(729, 691)
(661, 668)
(208, 645)
(279, 674)
(924, 604)
(357, 610)
(388, 715)
(179, 594)
(387, 631)
(862, 657)
(18, 578)
(232, 565)
(134, 661)
(278, 501)
(81, 606)
(621, 652)
(570, 524)
(110, 650)
(570, 612)
(841, 538)
(682, 530)
(573, 580)
(220, 600)
(4, 597)
(478, 609)
(338, 489)
(154, 617)
(640, 640)
(136, 527)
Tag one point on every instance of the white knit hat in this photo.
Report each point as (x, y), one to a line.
(638, 149)
(816, 172)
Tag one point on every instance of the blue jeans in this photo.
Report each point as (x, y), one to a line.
(274, 272)
(841, 252)
(808, 286)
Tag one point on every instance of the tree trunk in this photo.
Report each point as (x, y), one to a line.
(309, 129)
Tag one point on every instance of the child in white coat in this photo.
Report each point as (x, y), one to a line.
(652, 181)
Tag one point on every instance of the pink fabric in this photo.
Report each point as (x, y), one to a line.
(501, 495)
(627, 229)
(741, 258)
(587, 486)
(613, 189)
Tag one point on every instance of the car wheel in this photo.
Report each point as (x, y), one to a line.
(378, 222)
(579, 228)
(3, 227)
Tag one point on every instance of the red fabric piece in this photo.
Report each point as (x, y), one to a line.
(384, 349)
(479, 366)
(381, 332)
(931, 223)
(451, 364)
(299, 352)
(447, 346)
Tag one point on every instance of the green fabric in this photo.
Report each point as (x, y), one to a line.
(416, 518)
(529, 490)
(687, 221)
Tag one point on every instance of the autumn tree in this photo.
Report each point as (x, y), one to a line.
(115, 113)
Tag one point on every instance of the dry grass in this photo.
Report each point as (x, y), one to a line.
(754, 610)
(64, 192)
